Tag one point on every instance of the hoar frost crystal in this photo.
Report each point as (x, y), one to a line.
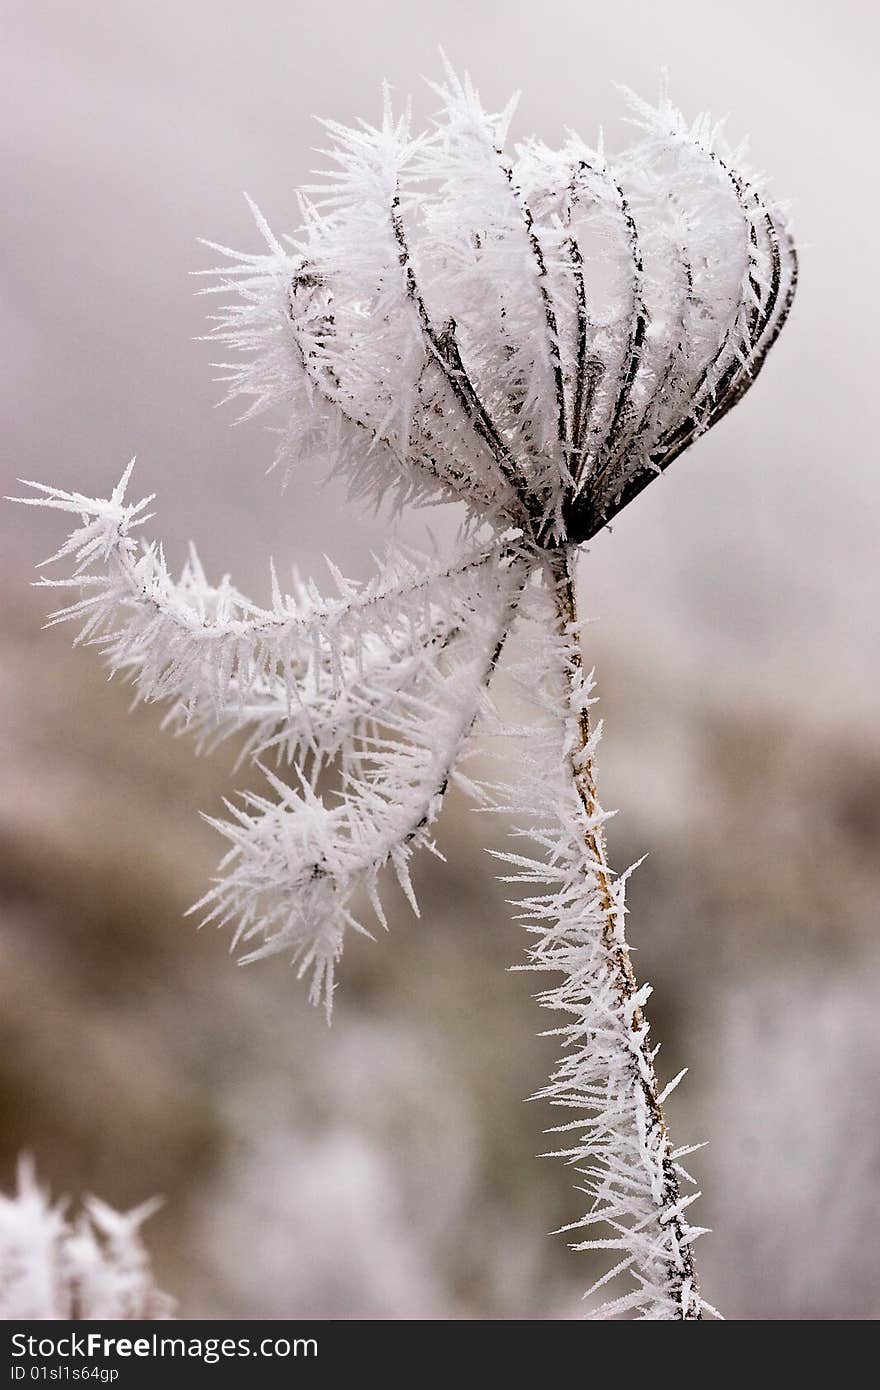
(536, 335)
(89, 1267)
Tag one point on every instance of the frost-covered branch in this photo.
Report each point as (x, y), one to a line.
(213, 645)
(381, 684)
(296, 862)
(636, 1187)
(616, 1139)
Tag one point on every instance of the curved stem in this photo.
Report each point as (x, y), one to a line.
(655, 1143)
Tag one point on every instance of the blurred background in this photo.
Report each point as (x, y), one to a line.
(385, 1168)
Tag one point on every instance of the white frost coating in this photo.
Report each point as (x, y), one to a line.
(385, 680)
(537, 333)
(90, 1267)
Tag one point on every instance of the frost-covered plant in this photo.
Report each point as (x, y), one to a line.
(88, 1267)
(535, 335)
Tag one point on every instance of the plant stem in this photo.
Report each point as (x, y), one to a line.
(654, 1142)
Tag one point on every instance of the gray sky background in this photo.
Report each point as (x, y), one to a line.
(131, 129)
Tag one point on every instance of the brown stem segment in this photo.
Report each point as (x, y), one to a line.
(682, 1276)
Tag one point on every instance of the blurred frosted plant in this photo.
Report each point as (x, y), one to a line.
(93, 1266)
(535, 335)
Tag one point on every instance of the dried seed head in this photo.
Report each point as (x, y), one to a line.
(538, 333)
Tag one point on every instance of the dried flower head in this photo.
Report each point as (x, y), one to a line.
(537, 333)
